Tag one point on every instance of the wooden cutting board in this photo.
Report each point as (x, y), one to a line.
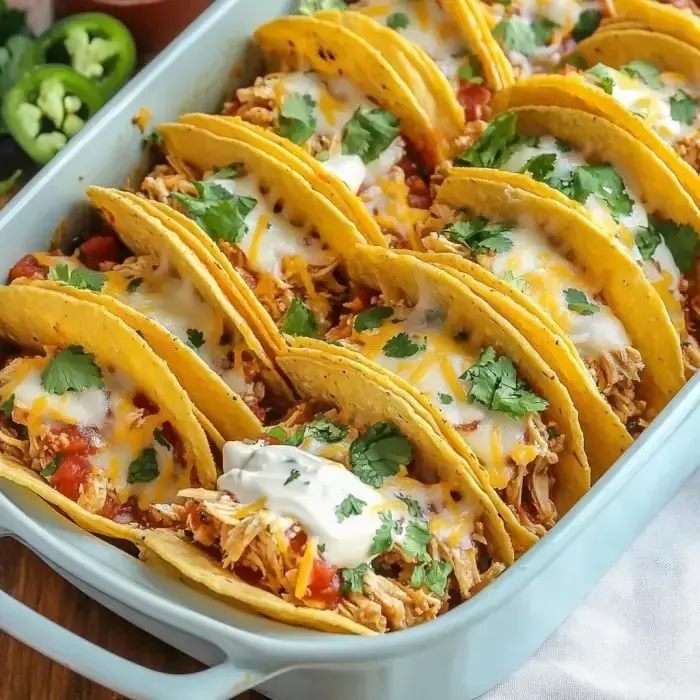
(26, 675)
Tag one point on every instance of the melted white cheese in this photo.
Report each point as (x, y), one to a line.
(348, 168)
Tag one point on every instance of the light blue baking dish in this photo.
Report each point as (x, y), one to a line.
(459, 656)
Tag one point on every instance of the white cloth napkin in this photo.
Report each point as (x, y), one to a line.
(637, 635)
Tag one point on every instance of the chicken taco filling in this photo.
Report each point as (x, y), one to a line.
(665, 101)
(154, 289)
(426, 24)
(666, 251)
(350, 136)
(90, 433)
(477, 390)
(335, 517)
(292, 271)
(536, 35)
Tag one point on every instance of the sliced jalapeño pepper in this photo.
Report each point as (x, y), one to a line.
(97, 46)
(48, 106)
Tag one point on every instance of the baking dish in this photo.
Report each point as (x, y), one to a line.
(459, 655)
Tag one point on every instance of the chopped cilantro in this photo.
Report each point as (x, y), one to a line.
(603, 78)
(369, 133)
(321, 549)
(576, 61)
(160, 438)
(414, 508)
(195, 338)
(516, 34)
(434, 575)
(417, 538)
(445, 399)
(397, 20)
(562, 146)
(588, 21)
(134, 284)
(300, 320)
(480, 235)
(228, 172)
(552, 432)
(144, 468)
(471, 71)
(540, 166)
(645, 71)
(294, 474)
(277, 432)
(493, 148)
(603, 181)
(647, 239)
(384, 536)
(325, 430)
(71, 369)
(684, 108)
(352, 578)
(542, 29)
(297, 121)
(79, 278)
(578, 302)
(495, 384)
(310, 7)
(520, 283)
(379, 453)
(220, 214)
(348, 507)
(403, 345)
(296, 438)
(682, 241)
(372, 318)
(8, 406)
(153, 139)
(52, 467)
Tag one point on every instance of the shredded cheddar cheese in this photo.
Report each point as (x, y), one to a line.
(306, 567)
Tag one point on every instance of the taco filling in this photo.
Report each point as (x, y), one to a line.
(426, 24)
(332, 517)
(666, 102)
(154, 289)
(90, 433)
(349, 135)
(666, 251)
(476, 390)
(536, 35)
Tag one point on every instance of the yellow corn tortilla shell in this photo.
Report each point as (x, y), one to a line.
(300, 161)
(203, 569)
(34, 317)
(204, 151)
(332, 50)
(424, 79)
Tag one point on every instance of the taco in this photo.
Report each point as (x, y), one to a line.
(91, 420)
(335, 96)
(139, 271)
(349, 516)
(642, 81)
(673, 17)
(578, 283)
(586, 161)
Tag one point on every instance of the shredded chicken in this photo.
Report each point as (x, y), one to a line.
(688, 148)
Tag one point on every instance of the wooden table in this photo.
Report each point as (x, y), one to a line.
(26, 675)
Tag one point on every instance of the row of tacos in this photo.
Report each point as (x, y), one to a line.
(348, 350)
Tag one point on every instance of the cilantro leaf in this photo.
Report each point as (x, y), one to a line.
(153, 139)
(159, 437)
(578, 302)
(493, 148)
(134, 284)
(604, 182)
(325, 430)
(471, 71)
(397, 20)
(369, 133)
(310, 7)
(682, 241)
(195, 338)
(79, 278)
(297, 120)
(480, 235)
(445, 399)
(540, 166)
(515, 34)
(277, 432)
(229, 171)
(300, 320)
(684, 108)
(8, 184)
(52, 467)
(434, 575)
(372, 318)
(542, 30)
(588, 21)
(71, 369)
(220, 214)
(294, 474)
(403, 345)
(417, 538)
(520, 283)
(414, 508)
(352, 578)
(348, 507)
(603, 78)
(647, 239)
(384, 536)
(379, 453)
(645, 71)
(296, 438)
(8, 406)
(144, 468)
(495, 384)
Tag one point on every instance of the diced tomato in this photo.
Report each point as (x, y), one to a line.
(145, 404)
(119, 512)
(103, 247)
(296, 538)
(259, 412)
(28, 267)
(73, 440)
(475, 100)
(325, 584)
(418, 193)
(194, 519)
(69, 477)
(172, 436)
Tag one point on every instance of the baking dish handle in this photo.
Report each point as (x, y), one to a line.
(28, 626)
